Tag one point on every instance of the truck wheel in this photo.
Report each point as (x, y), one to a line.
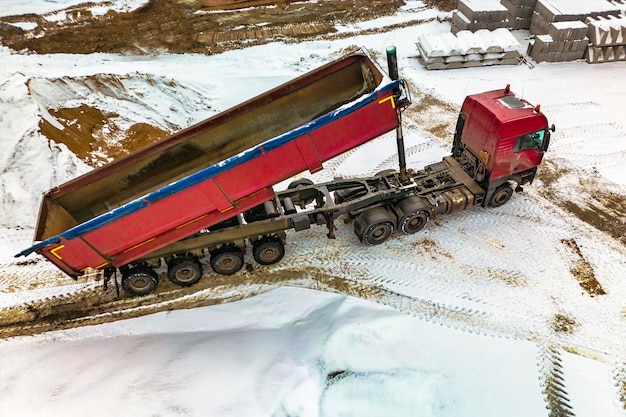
(227, 261)
(374, 226)
(414, 222)
(413, 214)
(268, 251)
(184, 271)
(140, 280)
(302, 181)
(384, 173)
(501, 195)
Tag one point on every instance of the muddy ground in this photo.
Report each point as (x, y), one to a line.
(188, 26)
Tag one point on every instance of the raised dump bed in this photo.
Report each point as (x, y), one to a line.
(215, 169)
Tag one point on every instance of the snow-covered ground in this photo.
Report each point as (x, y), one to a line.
(468, 326)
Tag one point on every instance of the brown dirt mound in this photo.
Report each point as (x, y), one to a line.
(189, 26)
(87, 132)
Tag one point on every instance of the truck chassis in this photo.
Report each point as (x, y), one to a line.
(377, 206)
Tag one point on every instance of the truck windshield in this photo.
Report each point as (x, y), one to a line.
(532, 140)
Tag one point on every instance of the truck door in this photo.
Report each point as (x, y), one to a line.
(528, 150)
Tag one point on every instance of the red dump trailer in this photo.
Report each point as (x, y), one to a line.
(216, 169)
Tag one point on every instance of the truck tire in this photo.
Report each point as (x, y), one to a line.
(140, 280)
(384, 173)
(227, 260)
(297, 183)
(414, 222)
(184, 271)
(374, 226)
(501, 195)
(412, 214)
(268, 251)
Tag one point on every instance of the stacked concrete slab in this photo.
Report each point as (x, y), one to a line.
(469, 49)
(520, 12)
(565, 41)
(549, 11)
(474, 15)
(608, 39)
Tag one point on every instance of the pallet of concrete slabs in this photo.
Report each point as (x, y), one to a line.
(607, 31)
(469, 49)
(548, 11)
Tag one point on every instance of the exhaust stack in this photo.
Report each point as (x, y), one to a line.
(392, 64)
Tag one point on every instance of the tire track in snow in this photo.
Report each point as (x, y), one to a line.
(569, 107)
(553, 383)
(619, 376)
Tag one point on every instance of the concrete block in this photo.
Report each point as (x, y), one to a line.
(490, 62)
(518, 11)
(607, 31)
(545, 44)
(522, 3)
(519, 23)
(488, 41)
(577, 46)
(473, 64)
(482, 10)
(538, 24)
(594, 55)
(572, 56)
(460, 20)
(436, 66)
(493, 55)
(600, 54)
(474, 57)
(567, 30)
(429, 59)
(512, 54)
(564, 10)
(510, 61)
(454, 58)
(432, 45)
(542, 57)
(472, 43)
(506, 40)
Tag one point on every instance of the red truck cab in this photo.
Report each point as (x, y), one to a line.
(501, 138)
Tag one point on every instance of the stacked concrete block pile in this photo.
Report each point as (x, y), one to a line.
(560, 28)
(565, 41)
(473, 15)
(549, 11)
(520, 12)
(608, 39)
(469, 49)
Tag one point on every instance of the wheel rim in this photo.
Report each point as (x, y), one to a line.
(414, 223)
(227, 263)
(269, 252)
(501, 196)
(139, 283)
(186, 274)
(378, 233)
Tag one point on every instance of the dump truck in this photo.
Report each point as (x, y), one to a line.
(207, 192)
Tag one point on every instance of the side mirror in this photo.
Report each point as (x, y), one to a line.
(553, 128)
(546, 141)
